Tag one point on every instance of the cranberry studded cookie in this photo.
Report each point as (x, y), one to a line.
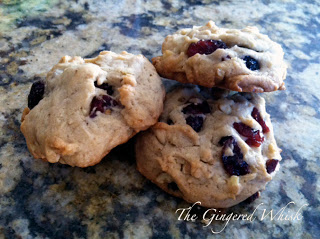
(218, 150)
(86, 107)
(240, 60)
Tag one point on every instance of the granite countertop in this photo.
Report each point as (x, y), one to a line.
(111, 199)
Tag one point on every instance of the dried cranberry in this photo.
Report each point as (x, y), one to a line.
(101, 103)
(195, 112)
(194, 108)
(252, 198)
(105, 86)
(234, 165)
(224, 139)
(205, 47)
(253, 136)
(36, 94)
(251, 63)
(271, 165)
(195, 122)
(256, 115)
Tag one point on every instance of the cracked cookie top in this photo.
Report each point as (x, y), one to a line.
(239, 60)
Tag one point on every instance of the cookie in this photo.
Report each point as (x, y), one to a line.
(217, 149)
(86, 107)
(239, 60)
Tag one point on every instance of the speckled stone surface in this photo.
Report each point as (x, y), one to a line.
(111, 199)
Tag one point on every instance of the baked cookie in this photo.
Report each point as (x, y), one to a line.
(240, 60)
(218, 150)
(86, 107)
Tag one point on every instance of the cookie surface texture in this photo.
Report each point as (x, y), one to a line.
(86, 107)
(216, 148)
(239, 60)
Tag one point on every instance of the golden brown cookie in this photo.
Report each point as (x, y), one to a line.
(239, 60)
(86, 107)
(218, 150)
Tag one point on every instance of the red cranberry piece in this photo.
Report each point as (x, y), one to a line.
(224, 139)
(256, 115)
(101, 103)
(253, 136)
(194, 108)
(36, 94)
(205, 47)
(105, 86)
(234, 165)
(271, 165)
(251, 63)
(195, 122)
(254, 142)
(195, 112)
(253, 197)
